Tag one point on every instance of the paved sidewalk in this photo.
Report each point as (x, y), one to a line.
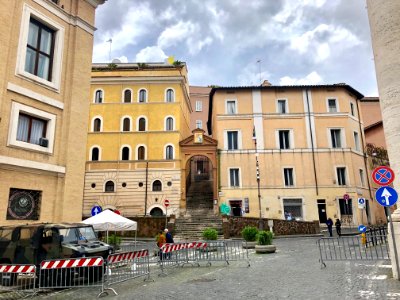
(292, 273)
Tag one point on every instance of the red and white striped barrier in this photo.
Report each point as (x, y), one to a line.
(72, 263)
(118, 257)
(167, 248)
(16, 269)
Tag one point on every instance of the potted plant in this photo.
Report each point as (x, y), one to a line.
(249, 234)
(115, 241)
(264, 242)
(210, 235)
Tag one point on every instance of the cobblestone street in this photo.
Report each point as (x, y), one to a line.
(292, 273)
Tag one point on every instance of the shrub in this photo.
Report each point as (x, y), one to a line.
(264, 237)
(114, 239)
(249, 233)
(210, 234)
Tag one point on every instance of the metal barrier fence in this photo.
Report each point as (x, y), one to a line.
(18, 278)
(71, 273)
(179, 254)
(352, 248)
(125, 266)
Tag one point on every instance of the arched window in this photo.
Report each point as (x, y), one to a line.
(157, 186)
(142, 95)
(125, 153)
(109, 187)
(97, 125)
(156, 212)
(142, 124)
(169, 152)
(141, 153)
(98, 96)
(127, 96)
(169, 124)
(126, 124)
(95, 154)
(170, 97)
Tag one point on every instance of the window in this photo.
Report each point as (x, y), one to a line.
(288, 174)
(232, 140)
(31, 129)
(341, 176)
(199, 105)
(127, 96)
(234, 177)
(109, 187)
(284, 139)
(95, 154)
(141, 153)
(97, 125)
(169, 152)
(362, 177)
(199, 124)
(39, 52)
(157, 186)
(24, 205)
(293, 207)
(169, 124)
(126, 124)
(332, 105)
(231, 107)
(142, 95)
(142, 124)
(346, 207)
(356, 141)
(336, 139)
(282, 109)
(125, 153)
(352, 108)
(170, 96)
(98, 96)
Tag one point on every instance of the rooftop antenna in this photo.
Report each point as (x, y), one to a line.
(109, 54)
(259, 69)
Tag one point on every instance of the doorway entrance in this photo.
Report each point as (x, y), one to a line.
(236, 208)
(322, 210)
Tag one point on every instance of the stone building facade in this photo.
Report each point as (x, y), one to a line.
(45, 49)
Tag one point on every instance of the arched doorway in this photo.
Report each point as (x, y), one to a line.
(156, 212)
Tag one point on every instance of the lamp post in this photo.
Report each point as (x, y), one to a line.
(260, 222)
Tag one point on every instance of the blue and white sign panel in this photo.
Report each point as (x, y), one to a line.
(362, 228)
(96, 210)
(361, 203)
(386, 196)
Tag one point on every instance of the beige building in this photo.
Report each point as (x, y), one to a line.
(138, 115)
(309, 144)
(199, 98)
(372, 118)
(45, 49)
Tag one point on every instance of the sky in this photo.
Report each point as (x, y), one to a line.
(237, 42)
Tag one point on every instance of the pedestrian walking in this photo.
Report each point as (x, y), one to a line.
(169, 239)
(161, 240)
(338, 225)
(329, 223)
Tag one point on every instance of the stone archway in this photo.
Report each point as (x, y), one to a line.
(194, 148)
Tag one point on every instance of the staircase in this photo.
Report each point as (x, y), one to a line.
(199, 213)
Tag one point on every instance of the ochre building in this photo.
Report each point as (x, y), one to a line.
(45, 50)
(309, 144)
(138, 115)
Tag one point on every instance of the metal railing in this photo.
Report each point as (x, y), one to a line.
(352, 248)
(18, 278)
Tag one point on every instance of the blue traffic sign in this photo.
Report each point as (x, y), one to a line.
(386, 196)
(362, 228)
(96, 210)
(361, 201)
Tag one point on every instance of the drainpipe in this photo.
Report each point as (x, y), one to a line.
(312, 143)
(145, 192)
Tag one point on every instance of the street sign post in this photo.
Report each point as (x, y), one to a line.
(362, 228)
(386, 196)
(96, 210)
(166, 204)
(346, 197)
(361, 203)
(383, 175)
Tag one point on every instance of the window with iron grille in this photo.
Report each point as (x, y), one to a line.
(294, 207)
(24, 204)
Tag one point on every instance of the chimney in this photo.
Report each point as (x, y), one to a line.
(266, 83)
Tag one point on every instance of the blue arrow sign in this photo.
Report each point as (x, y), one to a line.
(96, 210)
(386, 196)
(362, 228)
(361, 201)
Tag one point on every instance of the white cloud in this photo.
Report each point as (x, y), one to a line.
(175, 34)
(312, 78)
(151, 54)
